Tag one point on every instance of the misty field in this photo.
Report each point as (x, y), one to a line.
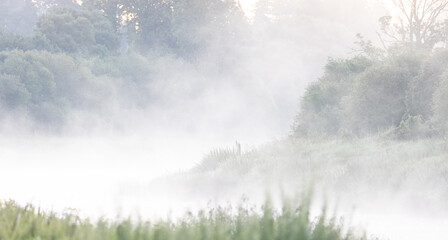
(115, 106)
(292, 222)
(408, 173)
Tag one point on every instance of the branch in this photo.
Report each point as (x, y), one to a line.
(400, 5)
(382, 41)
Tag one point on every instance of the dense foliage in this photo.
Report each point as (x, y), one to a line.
(399, 90)
(400, 94)
(66, 56)
(63, 56)
(293, 222)
(184, 27)
(76, 31)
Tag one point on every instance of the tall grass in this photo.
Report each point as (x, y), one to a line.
(243, 223)
(358, 169)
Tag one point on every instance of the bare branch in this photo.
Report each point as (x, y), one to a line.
(420, 21)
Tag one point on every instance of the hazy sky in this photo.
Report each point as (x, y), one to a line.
(248, 6)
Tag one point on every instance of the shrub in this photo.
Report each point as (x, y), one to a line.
(320, 109)
(440, 104)
(419, 97)
(365, 95)
(413, 127)
(378, 100)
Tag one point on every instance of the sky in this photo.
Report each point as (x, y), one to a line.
(248, 6)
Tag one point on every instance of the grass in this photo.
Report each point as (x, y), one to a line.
(365, 168)
(292, 222)
(362, 167)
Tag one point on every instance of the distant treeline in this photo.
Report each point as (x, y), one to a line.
(60, 56)
(56, 56)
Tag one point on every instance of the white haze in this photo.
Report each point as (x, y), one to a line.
(92, 163)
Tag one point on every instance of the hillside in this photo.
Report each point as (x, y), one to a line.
(363, 171)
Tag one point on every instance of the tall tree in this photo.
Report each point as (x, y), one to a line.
(420, 23)
(112, 9)
(77, 31)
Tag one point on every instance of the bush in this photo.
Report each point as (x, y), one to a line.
(412, 128)
(320, 109)
(419, 97)
(378, 100)
(364, 95)
(440, 104)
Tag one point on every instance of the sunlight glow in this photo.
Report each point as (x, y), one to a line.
(248, 7)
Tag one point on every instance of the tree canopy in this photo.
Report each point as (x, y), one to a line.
(77, 31)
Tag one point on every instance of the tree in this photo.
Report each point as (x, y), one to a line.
(43, 84)
(198, 23)
(183, 27)
(112, 9)
(10, 41)
(13, 92)
(44, 5)
(77, 31)
(419, 23)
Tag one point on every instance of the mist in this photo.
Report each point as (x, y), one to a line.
(116, 108)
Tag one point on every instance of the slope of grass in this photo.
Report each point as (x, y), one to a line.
(363, 168)
(292, 222)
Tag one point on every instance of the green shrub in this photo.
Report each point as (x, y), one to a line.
(419, 97)
(440, 104)
(363, 95)
(320, 107)
(378, 100)
(413, 127)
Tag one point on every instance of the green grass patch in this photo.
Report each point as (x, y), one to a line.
(293, 221)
